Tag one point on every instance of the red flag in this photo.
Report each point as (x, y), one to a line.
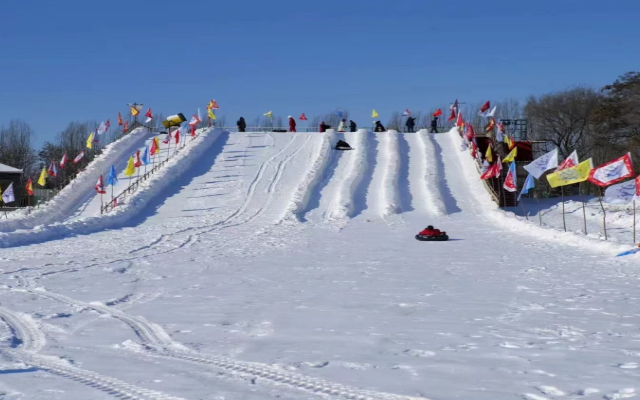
(154, 146)
(303, 117)
(52, 169)
(63, 161)
(119, 119)
(637, 185)
(177, 135)
(108, 124)
(149, 114)
(78, 157)
(454, 106)
(214, 105)
(569, 162)
(100, 186)
(452, 116)
(485, 107)
(137, 162)
(29, 187)
(437, 113)
(489, 127)
(460, 120)
(493, 171)
(471, 133)
(474, 149)
(126, 126)
(509, 183)
(193, 131)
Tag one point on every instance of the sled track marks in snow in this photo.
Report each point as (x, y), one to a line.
(158, 343)
(389, 161)
(27, 336)
(428, 165)
(437, 176)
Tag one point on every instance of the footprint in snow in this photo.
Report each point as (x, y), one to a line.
(550, 390)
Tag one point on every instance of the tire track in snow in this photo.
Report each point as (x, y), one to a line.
(158, 343)
(31, 340)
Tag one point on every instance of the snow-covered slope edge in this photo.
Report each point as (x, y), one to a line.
(343, 206)
(148, 190)
(434, 196)
(508, 220)
(74, 194)
(312, 178)
(390, 163)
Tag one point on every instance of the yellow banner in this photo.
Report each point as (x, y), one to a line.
(511, 156)
(42, 181)
(579, 173)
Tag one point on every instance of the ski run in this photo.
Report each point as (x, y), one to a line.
(270, 265)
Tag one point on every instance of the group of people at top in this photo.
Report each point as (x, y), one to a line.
(410, 124)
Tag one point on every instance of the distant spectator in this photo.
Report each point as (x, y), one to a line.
(292, 124)
(411, 122)
(342, 126)
(352, 126)
(434, 125)
(324, 127)
(379, 127)
(242, 125)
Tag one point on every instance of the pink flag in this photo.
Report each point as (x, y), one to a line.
(63, 161)
(100, 186)
(78, 157)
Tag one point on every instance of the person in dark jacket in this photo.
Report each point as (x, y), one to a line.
(379, 127)
(352, 126)
(242, 125)
(324, 127)
(434, 125)
(292, 124)
(430, 231)
(411, 122)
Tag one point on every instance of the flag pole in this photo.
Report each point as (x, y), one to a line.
(564, 221)
(604, 214)
(169, 147)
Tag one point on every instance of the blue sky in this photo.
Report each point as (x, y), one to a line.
(69, 60)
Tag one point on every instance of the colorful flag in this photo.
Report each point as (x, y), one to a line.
(155, 146)
(108, 124)
(490, 125)
(194, 120)
(437, 113)
(192, 130)
(113, 177)
(134, 111)
(119, 119)
(510, 184)
(78, 157)
(29, 187)
(528, 185)
(303, 117)
(471, 133)
(211, 114)
(613, 171)
(168, 138)
(474, 149)
(42, 181)
(52, 169)
(138, 162)
(579, 173)
(131, 168)
(500, 131)
(146, 160)
(620, 193)
(511, 156)
(493, 171)
(8, 195)
(339, 114)
(63, 162)
(90, 141)
(374, 114)
(485, 107)
(100, 186)
(454, 106)
(213, 105)
(543, 163)
(269, 114)
(570, 161)
(406, 113)
(102, 128)
(452, 116)
(460, 120)
(491, 113)
(149, 116)
(489, 155)
(177, 135)
(125, 128)
(637, 181)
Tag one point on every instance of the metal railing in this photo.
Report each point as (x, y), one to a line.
(270, 129)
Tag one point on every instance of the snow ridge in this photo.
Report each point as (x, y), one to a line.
(80, 189)
(390, 163)
(302, 194)
(342, 207)
(134, 204)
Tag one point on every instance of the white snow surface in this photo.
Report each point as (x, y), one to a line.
(228, 276)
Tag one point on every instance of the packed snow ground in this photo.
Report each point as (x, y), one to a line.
(275, 267)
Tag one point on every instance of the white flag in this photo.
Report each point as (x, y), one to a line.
(199, 115)
(543, 163)
(102, 128)
(491, 113)
(7, 196)
(622, 193)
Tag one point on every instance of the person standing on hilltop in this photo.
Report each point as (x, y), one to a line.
(242, 125)
(292, 124)
(411, 122)
(379, 127)
(342, 126)
(352, 126)
(434, 125)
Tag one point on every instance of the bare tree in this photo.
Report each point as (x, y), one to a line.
(395, 122)
(16, 147)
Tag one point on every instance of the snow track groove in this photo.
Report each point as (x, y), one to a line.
(159, 343)
(430, 167)
(389, 161)
(25, 330)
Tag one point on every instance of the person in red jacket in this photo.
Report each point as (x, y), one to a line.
(430, 231)
(324, 127)
(292, 124)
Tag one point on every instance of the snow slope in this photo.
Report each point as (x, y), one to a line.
(201, 294)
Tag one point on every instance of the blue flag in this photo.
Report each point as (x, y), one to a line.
(145, 156)
(528, 184)
(339, 114)
(113, 177)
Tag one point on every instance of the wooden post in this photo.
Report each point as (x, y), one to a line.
(604, 214)
(564, 221)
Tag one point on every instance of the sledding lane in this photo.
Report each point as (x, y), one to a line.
(425, 197)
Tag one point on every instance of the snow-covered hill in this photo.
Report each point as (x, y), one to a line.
(263, 266)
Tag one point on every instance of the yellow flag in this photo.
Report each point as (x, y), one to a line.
(210, 105)
(269, 114)
(579, 173)
(511, 156)
(489, 155)
(134, 111)
(42, 181)
(90, 141)
(211, 113)
(374, 114)
(131, 168)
